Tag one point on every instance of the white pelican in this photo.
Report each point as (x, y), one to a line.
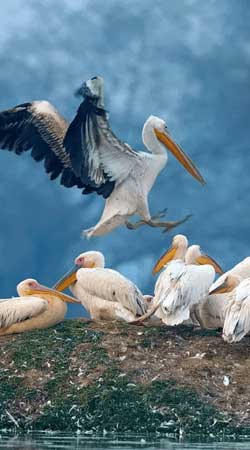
(212, 311)
(87, 154)
(183, 284)
(237, 315)
(36, 307)
(104, 293)
(241, 270)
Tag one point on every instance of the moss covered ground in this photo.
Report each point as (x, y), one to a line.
(114, 377)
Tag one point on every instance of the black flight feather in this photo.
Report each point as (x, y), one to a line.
(76, 146)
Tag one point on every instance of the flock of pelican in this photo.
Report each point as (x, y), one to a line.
(185, 293)
(88, 155)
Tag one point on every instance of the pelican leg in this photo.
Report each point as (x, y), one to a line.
(156, 223)
(160, 214)
(133, 226)
(195, 320)
(104, 226)
(197, 317)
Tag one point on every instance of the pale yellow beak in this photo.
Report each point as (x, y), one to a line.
(223, 288)
(67, 279)
(205, 259)
(177, 151)
(70, 277)
(43, 290)
(164, 259)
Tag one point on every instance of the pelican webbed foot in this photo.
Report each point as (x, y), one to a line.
(169, 225)
(155, 222)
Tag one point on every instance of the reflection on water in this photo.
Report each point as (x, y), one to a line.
(63, 441)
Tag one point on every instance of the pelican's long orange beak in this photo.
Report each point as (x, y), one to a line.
(222, 288)
(177, 151)
(205, 259)
(43, 290)
(164, 259)
(67, 279)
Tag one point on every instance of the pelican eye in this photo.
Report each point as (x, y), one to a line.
(79, 261)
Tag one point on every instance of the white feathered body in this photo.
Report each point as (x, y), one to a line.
(130, 195)
(108, 295)
(181, 287)
(237, 320)
(213, 310)
(25, 313)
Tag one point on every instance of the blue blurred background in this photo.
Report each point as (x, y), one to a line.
(187, 62)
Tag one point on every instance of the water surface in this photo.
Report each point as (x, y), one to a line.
(63, 441)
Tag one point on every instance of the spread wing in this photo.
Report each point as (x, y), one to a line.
(19, 309)
(110, 285)
(237, 320)
(37, 126)
(98, 157)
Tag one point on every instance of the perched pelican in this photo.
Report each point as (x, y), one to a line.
(213, 311)
(237, 316)
(105, 293)
(183, 284)
(36, 307)
(87, 154)
(241, 270)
